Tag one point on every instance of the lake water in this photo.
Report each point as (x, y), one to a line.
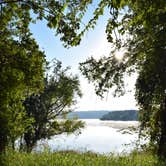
(97, 136)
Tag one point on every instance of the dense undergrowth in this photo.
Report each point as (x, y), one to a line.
(71, 158)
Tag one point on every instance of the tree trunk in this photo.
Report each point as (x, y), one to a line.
(13, 143)
(162, 141)
(29, 142)
(3, 143)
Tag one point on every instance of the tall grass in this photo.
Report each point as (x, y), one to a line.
(71, 158)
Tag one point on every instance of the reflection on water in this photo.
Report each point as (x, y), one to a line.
(97, 136)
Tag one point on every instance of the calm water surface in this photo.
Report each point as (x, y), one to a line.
(97, 136)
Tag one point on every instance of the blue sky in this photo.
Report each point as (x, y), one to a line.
(94, 43)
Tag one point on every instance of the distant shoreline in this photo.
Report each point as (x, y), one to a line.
(124, 115)
(111, 123)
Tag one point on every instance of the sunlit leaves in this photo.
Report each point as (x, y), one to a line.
(105, 73)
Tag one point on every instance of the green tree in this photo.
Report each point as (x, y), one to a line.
(21, 72)
(60, 92)
(141, 27)
(21, 61)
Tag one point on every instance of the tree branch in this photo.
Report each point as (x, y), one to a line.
(4, 2)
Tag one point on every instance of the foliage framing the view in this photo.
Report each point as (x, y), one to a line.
(141, 27)
(21, 61)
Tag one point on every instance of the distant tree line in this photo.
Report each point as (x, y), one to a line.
(126, 115)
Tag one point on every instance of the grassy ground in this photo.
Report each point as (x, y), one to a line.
(70, 158)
